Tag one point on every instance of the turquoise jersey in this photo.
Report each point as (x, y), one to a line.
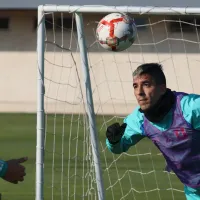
(190, 105)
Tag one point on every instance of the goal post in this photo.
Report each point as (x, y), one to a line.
(81, 89)
(40, 107)
(40, 110)
(89, 103)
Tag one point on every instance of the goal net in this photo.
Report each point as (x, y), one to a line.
(68, 158)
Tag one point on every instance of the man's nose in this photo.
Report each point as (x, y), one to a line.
(140, 91)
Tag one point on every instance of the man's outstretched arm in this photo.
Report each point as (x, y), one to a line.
(119, 139)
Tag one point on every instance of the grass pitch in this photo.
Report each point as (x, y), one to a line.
(67, 163)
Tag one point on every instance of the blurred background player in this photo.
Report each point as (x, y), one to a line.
(12, 170)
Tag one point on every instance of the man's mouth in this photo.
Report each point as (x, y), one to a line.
(142, 100)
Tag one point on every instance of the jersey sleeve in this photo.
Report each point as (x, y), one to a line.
(133, 133)
(190, 105)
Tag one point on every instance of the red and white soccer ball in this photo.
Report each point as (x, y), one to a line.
(116, 32)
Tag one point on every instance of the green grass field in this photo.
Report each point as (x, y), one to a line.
(18, 138)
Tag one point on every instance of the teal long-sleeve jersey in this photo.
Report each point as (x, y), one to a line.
(134, 132)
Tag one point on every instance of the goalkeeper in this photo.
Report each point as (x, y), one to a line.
(170, 119)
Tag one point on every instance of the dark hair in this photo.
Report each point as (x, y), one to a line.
(153, 69)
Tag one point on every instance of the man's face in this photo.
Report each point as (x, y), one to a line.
(146, 91)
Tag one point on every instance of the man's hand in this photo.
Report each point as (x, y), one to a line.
(15, 171)
(115, 132)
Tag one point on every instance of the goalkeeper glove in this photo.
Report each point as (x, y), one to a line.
(115, 132)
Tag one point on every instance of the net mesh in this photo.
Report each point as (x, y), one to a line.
(140, 172)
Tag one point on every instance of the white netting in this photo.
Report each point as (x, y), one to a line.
(139, 173)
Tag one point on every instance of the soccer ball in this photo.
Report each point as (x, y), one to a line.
(116, 32)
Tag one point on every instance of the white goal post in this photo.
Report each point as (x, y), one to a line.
(82, 89)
